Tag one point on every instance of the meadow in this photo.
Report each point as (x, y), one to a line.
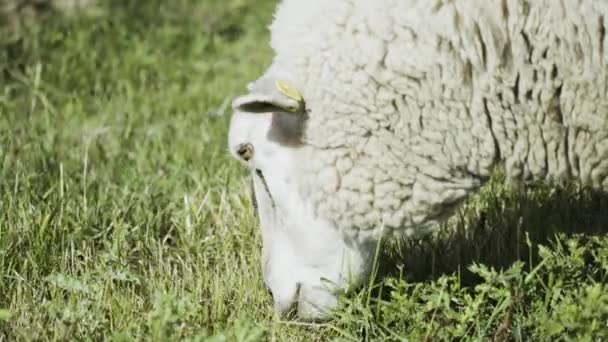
(123, 218)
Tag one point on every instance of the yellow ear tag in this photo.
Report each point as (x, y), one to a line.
(288, 90)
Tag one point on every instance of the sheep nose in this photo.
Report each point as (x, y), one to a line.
(308, 303)
(286, 307)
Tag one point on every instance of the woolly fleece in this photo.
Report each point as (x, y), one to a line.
(411, 103)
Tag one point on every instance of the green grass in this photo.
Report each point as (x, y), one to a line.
(122, 217)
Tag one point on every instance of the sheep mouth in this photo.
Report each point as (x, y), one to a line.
(290, 312)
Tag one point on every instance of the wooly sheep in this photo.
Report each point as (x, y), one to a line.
(379, 117)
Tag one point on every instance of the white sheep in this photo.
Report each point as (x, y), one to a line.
(379, 117)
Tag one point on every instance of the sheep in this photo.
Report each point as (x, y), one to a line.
(377, 118)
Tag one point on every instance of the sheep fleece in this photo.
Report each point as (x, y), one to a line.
(412, 103)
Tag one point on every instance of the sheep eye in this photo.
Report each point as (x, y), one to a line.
(245, 151)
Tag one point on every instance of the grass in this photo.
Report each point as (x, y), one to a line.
(123, 218)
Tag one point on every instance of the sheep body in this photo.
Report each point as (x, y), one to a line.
(412, 103)
(397, 110)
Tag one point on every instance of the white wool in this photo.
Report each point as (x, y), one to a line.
(411, 104)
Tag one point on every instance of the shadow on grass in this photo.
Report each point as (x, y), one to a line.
(497, 227)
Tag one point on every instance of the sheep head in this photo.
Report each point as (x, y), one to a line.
(306, 260)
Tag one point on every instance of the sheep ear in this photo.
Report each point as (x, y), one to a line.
(270, 95)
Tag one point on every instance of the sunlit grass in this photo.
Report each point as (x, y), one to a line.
(122, 216)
